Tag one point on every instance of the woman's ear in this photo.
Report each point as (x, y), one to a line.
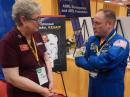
(22, 19)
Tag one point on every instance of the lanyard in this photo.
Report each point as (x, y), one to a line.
(34, 50)
(103, 44)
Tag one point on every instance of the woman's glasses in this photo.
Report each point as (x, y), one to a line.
(36, 19)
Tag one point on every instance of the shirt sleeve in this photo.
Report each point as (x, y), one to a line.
(8, 54)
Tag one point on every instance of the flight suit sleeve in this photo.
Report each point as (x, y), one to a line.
(111, 59)
(82, 61)
(105, 61)
(88, 46)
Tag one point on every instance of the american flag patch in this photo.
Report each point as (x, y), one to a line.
(120, 43)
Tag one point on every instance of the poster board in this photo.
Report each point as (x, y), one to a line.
(52, 29)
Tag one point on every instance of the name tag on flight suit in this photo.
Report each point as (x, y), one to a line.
(42, 76)
(93, 74)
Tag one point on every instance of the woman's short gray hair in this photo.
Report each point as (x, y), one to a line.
(24, 8)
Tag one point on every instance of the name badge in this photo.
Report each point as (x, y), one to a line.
(42, 76)
(93, 74)
(98, 53)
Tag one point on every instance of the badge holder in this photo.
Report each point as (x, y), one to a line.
(42, 76)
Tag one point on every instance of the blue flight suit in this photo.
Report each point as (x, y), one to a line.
(107, 67)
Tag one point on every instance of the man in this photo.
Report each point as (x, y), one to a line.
(105, 57)
(50, 41)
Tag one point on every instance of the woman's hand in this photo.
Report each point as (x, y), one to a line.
(46, 93)
(51, 87)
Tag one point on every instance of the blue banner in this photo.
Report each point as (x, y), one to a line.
(6, 21)
(74, 8)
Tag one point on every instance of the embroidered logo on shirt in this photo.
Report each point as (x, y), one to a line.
(24, 47)
(120, 43)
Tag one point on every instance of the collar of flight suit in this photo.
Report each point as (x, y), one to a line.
(107, 38)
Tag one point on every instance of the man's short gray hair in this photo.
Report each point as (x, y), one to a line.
(24, 8)
(109, 14)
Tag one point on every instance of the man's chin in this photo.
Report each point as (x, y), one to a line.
(36, 30)
(96, 34)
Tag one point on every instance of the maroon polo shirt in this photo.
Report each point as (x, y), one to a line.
(15, 52)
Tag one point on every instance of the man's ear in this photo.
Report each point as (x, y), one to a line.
(109, 23)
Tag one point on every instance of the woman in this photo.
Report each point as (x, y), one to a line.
(23, 54)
